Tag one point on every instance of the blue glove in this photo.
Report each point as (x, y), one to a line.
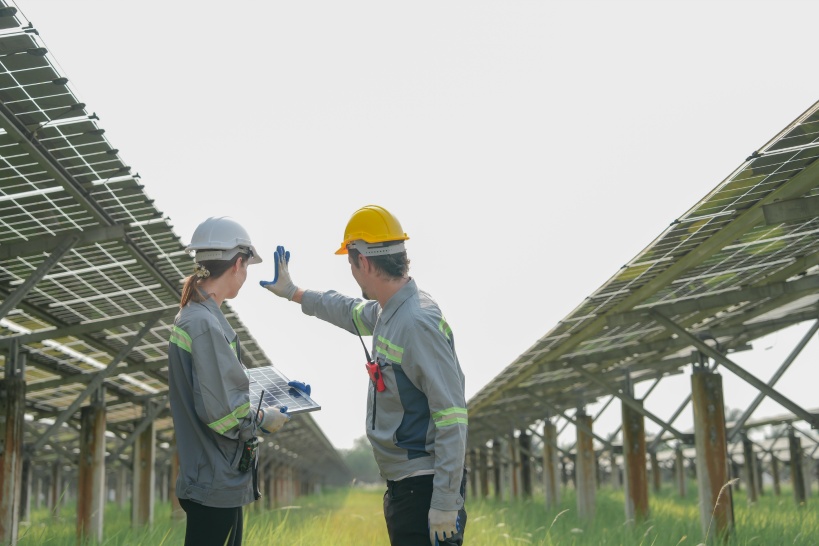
(304, 387)
(281, 285)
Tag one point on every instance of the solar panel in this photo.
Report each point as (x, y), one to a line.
(727, 261)
(277, 392)
(93, 259)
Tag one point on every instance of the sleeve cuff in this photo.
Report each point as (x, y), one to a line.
(446, 501)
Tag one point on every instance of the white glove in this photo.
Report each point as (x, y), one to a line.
(281, 285)
(443, 524)
(272, 419)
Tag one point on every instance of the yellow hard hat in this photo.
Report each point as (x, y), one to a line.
(372, 224)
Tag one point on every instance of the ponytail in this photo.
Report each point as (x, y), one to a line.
(204, 270)
(190, 291)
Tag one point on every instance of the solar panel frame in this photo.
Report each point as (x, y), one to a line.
(277, 392)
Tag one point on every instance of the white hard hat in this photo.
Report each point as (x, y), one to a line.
(221, 238)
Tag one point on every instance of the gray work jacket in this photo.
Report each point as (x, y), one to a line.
(420, 420)
(210, 402)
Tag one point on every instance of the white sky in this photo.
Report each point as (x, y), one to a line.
(529, 149)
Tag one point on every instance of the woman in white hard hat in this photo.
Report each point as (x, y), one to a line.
(215, 422)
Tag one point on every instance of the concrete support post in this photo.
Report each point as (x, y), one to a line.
(91, 479)
(110, 489)
(142, 493)
(584, 469)
(810, 473)
(656, 472)
(514, 467)
(777, 487)
(484, 472)
(598, 472)
(565, 473)
(715, 495)
(616, 472)
(758, 472)
(611, 478)
(749, 472)
(812, 470)
(497, 468)
(55, 498)
(12, 410)
(797, 479)
(122, 486)
(634, 464)
(38, 491)
(806, 474)
(679, 470)
(551, 466)
(525, 442)
(68, 488)
(736, 474)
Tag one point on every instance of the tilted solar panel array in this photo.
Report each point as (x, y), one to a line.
(714, 254)
(86, 258)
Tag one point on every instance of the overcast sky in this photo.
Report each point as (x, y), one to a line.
(529, 149)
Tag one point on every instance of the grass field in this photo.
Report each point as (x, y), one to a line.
(353, 517)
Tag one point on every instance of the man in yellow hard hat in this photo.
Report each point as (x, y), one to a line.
(416, 407)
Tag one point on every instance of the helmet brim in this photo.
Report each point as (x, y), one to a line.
(224, 255)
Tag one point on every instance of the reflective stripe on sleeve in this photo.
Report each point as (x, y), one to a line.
(231, 419)
(450, 416)
(362, 329)
(181, 338)
(389, 349)
(443, 326)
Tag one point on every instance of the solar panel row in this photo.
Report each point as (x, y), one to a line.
(87, 262)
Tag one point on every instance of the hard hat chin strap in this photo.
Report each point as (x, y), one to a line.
(377, 249)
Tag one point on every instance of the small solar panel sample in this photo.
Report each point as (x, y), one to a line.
(277, 392)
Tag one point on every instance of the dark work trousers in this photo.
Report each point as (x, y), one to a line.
(208, 526)
(406, 509)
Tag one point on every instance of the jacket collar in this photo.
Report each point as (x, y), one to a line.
(211, 306)
(407, 291)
